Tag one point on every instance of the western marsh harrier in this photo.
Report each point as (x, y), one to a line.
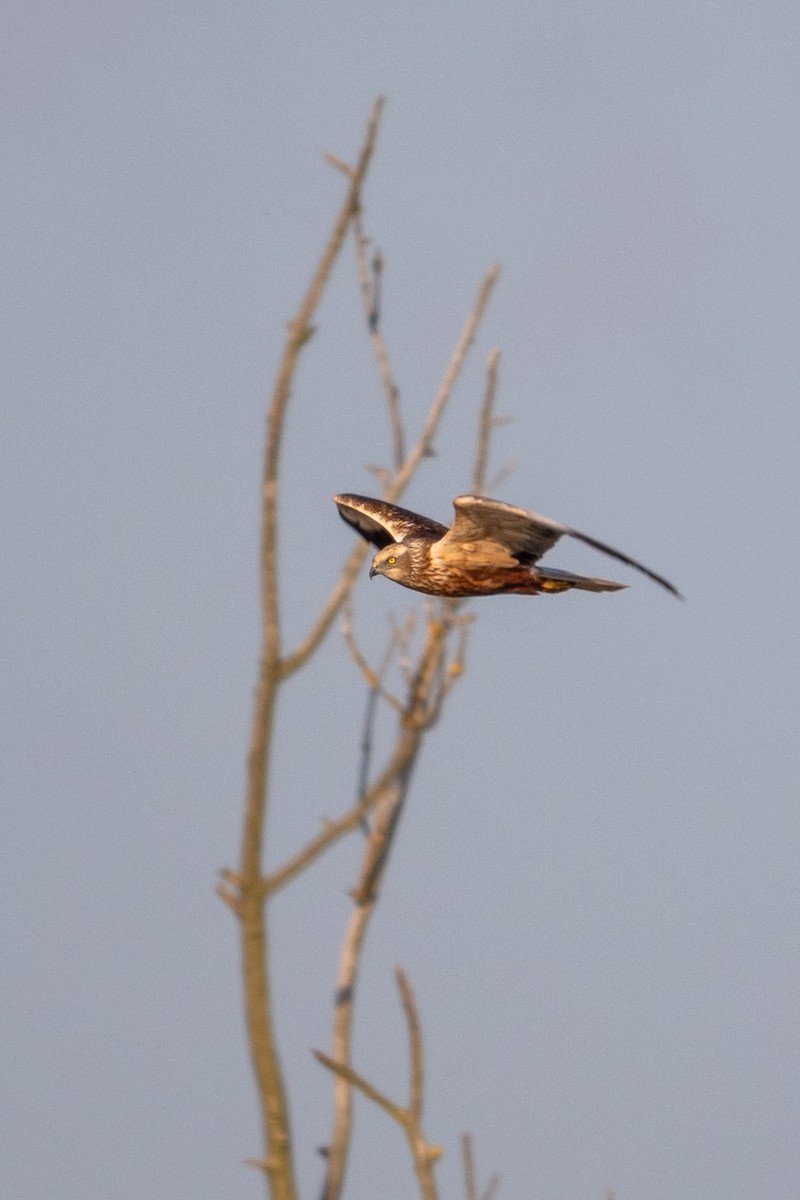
(490, 548)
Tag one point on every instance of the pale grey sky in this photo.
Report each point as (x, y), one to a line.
(595, 891)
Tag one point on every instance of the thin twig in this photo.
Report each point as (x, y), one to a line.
(451, 374)
(371, 296)
(508, 468)
(470, 1183)
(375, 691)
(372, 677)
(491, 1187)
(370, 712)
(486, 423)
(417, 1076)
(470, 1188)
(344, 1072)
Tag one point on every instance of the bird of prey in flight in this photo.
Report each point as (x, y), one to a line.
(490, 548)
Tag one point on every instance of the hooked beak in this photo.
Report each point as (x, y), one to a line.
(372, 572)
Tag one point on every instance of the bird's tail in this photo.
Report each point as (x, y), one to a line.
(553, 580)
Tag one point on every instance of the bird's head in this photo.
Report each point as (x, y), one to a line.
(392, 561)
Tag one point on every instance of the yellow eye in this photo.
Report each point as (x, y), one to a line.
(391, 561)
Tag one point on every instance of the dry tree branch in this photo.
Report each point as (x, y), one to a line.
(409, 1117)
(470, 1186)
(499, 477)
(416, 1086)
(372, 1093)
(249, 907)
(487, 422)
(371, 295)
(372, 677)
(470, 1190)
(451, 374)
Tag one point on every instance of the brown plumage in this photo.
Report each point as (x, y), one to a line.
(491, 547)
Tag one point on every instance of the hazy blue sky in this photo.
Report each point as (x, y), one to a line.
(595, 890)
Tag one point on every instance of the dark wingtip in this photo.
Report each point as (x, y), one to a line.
(625, 558)
(665, 583)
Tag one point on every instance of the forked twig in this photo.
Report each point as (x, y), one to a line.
(470, 1185)
(409, 1116)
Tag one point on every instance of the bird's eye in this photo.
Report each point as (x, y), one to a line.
(391, 561)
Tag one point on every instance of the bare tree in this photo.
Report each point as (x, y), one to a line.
(430, 665)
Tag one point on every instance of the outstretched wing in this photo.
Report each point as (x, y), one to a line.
(525, 535)
(494, 527)
(384, 524)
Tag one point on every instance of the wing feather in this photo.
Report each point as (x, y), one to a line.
(624, 558)
(525, 535)
(385, 524)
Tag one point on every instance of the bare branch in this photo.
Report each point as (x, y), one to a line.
(470, 1184)
(278, 1163)
(456, 362)
(486, 423)
(299, 333)
(417, 1074)
(330, 609)
(455, 668)
(372, 677)
(340, 165)
(372, 1093)
(349, 959)
(491, 1187)
(246, 890)
(230, 898)
(508, 468)
(470, 1188)
(371, 296)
